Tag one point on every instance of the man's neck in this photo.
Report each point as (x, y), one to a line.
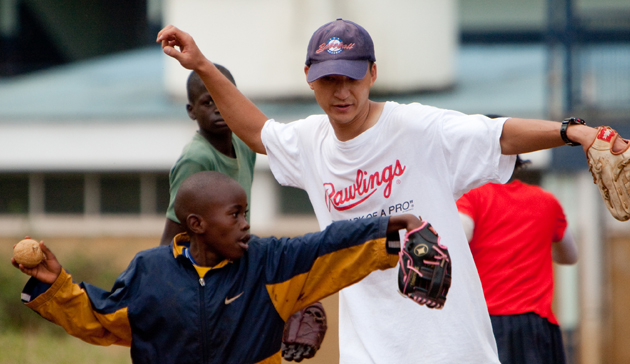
(345, 132)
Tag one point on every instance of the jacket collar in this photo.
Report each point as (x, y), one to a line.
(181, 241)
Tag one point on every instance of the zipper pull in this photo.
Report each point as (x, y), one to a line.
(202, 282)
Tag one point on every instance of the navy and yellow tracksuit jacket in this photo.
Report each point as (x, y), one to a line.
(170, 311)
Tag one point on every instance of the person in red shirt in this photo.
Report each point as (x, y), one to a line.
(515, 231)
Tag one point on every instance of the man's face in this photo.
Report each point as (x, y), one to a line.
(344, 99)
(207, 115)
(227, 230)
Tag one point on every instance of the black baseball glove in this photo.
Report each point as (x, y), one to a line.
(425, 267)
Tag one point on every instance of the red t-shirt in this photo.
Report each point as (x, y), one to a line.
(515, 225)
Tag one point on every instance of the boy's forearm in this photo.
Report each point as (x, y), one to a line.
(69, 306)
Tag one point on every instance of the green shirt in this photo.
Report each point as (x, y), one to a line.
(199, 155)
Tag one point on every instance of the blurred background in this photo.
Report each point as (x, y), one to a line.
(92, 117)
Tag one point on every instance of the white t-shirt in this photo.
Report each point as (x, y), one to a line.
(416, 159)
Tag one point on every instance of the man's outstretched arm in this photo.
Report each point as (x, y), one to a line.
(241, 115)
(528, 135)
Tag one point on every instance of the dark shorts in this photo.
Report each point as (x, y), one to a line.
(527, 339)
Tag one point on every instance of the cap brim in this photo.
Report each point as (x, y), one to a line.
(353, 69)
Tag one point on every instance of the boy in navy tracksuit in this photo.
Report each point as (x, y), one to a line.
(217, 294)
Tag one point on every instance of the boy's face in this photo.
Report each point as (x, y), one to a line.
(227, 230)
(207, 115)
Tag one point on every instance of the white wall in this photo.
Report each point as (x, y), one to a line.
(264, 43)
(142, 145)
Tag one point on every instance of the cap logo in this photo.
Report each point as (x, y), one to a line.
(334, 46)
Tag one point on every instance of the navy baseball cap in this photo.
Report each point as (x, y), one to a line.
(340, 47)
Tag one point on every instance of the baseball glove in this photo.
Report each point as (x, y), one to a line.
(304, 332)
(609, 172)
(425, 267)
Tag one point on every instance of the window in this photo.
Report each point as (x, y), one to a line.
(162, 191)
(64, 193)
(84, 193)
(120, 194)
(14, 194)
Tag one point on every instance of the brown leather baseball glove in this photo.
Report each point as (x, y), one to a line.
(609, 172)
(304, 332)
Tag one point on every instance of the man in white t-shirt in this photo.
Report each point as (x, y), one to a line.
(364, 158)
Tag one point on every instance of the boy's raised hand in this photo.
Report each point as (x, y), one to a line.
(188, 54)
(47, 271)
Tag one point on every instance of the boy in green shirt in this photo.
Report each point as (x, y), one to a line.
(213, 148)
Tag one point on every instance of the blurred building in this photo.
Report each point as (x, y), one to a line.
(92, 113)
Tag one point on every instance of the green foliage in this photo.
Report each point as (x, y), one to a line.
(56, 347)
(13, 314)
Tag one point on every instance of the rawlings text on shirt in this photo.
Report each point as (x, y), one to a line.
(364, 187)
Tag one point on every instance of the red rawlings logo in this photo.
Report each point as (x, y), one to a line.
(364, 187)
(605, 134)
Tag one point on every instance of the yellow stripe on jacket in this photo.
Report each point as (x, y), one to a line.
(329, 274)
(65, 296)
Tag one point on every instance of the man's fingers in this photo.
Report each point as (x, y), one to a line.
(181, 46)
(169, 51)
(172, 37)
(168, 47)
(166, 32)
(168, 37)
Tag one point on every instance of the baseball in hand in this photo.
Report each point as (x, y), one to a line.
(28, 253)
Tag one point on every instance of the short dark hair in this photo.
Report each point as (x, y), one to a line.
(521, 163)
(198, 190)
(195, 86)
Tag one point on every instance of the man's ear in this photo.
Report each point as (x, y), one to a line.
(373, 73)
(189, 110)
(196, 224)
(306, 68)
